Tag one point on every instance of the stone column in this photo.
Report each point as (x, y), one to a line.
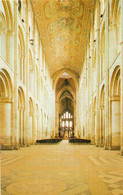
(94, 127)
(34, 132)
(121, 65)
(106, 146)
(76, 114)
(97, 135)
(92, 98)
(32, 82)
(53, 114)
(56, 118)
(87, 91)
(115, 122)
(26, 118)
(30, 133)
(24, 69)
(74, 117)
(18, 126)
(102, 126)
(33, 85)
(93, 124)
(6, 123)
(23, 126)
(15, 103)
(42, 126)
(37, 127)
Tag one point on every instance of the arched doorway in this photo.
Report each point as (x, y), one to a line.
(6, 135)
(115, 109)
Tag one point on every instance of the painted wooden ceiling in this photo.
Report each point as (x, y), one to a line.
(63, 25)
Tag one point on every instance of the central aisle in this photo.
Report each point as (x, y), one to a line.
(63, 169)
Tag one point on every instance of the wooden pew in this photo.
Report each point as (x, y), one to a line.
(48, 141)
(79, 141)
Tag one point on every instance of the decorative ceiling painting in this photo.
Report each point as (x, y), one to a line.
(62, 26)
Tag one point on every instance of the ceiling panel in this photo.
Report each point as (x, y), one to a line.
(63, 25)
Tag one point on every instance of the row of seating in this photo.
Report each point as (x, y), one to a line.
(79, 141)
(48, 141)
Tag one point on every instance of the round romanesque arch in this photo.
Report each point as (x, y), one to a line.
(6, 95)
(115, 108)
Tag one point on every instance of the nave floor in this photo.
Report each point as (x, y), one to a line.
(62, 169)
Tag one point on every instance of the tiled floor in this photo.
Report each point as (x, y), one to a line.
(63, 169)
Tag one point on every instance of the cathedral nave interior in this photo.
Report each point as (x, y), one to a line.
(61, 73)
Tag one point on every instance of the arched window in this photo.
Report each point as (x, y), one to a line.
(63, 124)
(19, 59)
(6, 26)
(115, 27)
(21, 56)
(66, 119)
(66, 114)
(71, 124)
